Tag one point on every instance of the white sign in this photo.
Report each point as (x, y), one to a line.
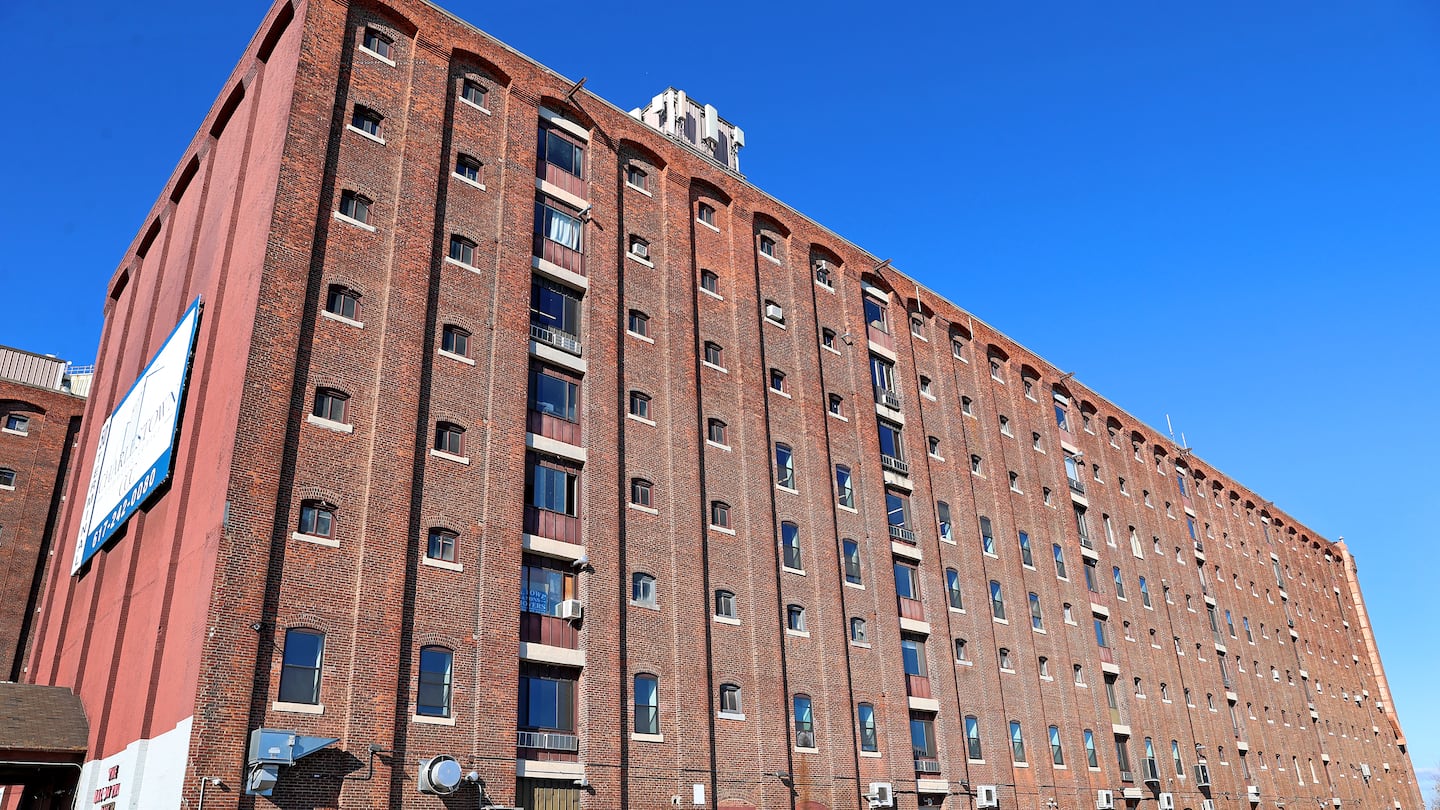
(133, 456)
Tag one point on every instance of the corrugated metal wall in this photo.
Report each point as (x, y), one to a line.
(31, 369)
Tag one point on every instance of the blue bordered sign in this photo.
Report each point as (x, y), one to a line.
(136, 449)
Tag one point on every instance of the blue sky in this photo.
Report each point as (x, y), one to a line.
(1224, 212)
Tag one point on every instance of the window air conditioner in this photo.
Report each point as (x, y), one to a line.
(1104, 800)
(1253, 793)
(986, 796)
(1202, 775)
(640, 249)
(882, 794)
(774, 312)
(572, 609)
(1207, 804)
(1167, 801)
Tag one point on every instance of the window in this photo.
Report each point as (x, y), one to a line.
(433, 699)
(544, 585)
(868, 739)
(330, 404)
(562, 153)
(1145, 593)
(559, 227)
(996, 370)
(827, 338)
(1090, 758)
(1017, 741)
(637, 177)
(355, 206)
(717, 432)
(450, 438)
(473, 92)
(640, 492)
(441, 545)
(1090, 582)
(1045, 495)
(1006, 664)
(933, 443)
(554, 396)
(730, 699)
(795, 618)
(366, 120)
(638, 323)
(1066, 613)
(1122, 757)
(1037, 442)
(897, 509)
(642, 589)
(961, 653)
(976, 464)
(967, 406)
(790, 542)
(925, 387)
(1079, 675)
(640, 404)
(952, 589)
(906, 581)
(705, 212)
(377, 43)
(852, 561)
(462, 250)
(647, 704)
(300, 666)
(947, 529)
(1059, 561)
(639, 248)
(1175, 756)
(547, 703)
(777, 380)
(784, 466)
(997, 600)
(891, 442)
(1036, 622)
(1057, 754)
(875, 315)
(987, 536)
(1026, 556)
(720, 514)
(1044, 664)
(339, 300)
(844, 487)
(554, 489)
(767, 246)
(972, 738)
(836, 405)
(917, 326)
(1119, 583)
(1102, 632)
(555, 315)
(714, 355)
(857, 630)
(725, 604)
(912, 654)
(317, 518)
(1014, 481)
(804, 722)
(454, 340)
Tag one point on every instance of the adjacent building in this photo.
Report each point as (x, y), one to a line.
(525, 454)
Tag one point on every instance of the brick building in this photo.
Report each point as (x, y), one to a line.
(40, 406)
(733, 514)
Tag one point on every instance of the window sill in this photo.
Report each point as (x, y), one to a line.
(640, 419)
(352, 221)
(859, 586)
(730, 620)
(992, 555)
(801, 750)
(774, 322)
(450, 457)
(936, 456)
(715, 295)
(1021, 764)
(428, 720)
(718, 445)
(338, 427)
(787, 569)
(628, 184)
(870, 754)
(791, 490)
(843, 508)
(362, 133)
(1010, 671)
(928, 395)
(328, 542)
(998, 620)
(861, 644)
(462, 178)
(830, 349)
(638, 508)
(965, 663)
(473, 105)
(472, 268)
(7, 488)
(797, 633)
(777, 392)
(298, 708)
(708, 225)
(457, 357)
(27, 433)
(838, 416)
(387, 60)
(722, 530)
(324, 313)
(1061, 767)
(769, 258)
(639, 336)
(708, 364)
(638, 737)
(635, 257)
(647, 605)
(443, 564)
(730, 715)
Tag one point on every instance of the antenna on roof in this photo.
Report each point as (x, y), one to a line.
(570, 96)
(1170, 428)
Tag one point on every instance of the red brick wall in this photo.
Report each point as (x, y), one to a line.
(378, 602)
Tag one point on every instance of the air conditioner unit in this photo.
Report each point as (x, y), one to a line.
(1365, 769)
(1207, 804)
(1104, 800)
(774, 312)
(1202, 775)
(882, 794)
(640, 249)
(1253, 793)
(440, 776)
(986, 796)
(1167, 801)
(572, 609)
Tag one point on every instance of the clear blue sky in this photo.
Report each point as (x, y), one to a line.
(1226, 212)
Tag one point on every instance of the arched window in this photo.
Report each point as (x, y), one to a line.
(450, 438)
(804, 722)
(433, 699)
(730, 699)
(987, 535)
(366, 120)
(1017, 741)
(462, 250)
(784, 466)
(441, 545)
(343, 301)
(720, 514)
(961, 651)
(1057, 753)
(470, 169)
(640, 492)
(852, 561)
(714, 354)
(952, 589)
(790, 543)
(638, 323)
(725, 604)
(972, 738)
(355, 207)
(795, 618)
(330, 405)
(844, 487)
(869, 741)
(717, 432)
(858, 631)
(455, 340)
(640, 404)
(709, 280)
(997, 600)
(1036, 622)
(317, 519)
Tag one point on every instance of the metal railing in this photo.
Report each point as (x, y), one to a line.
(551, 337)
(902, 533)
(547, 741)
(884, 396)
(894, 464)
(1076, 486)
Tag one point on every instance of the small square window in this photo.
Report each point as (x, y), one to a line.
(925, 386)
(450, 438)
(378, 43)
(317, 519)
(455, 340)
(777, 380)
(462, 250)
(441, 545)
(934, 445)
(720, 514)
(470, 169)
(640, 492)
(355, 206)
(714, 355)
(767, 246)
(836, 405)
(7, 478)
(976, 464)
(967, 406)
(16, 423)
(638, 323)
(366, 120)
(636, 176)
(640, 404)
(473, 92)
(709, 281)
(827, 338)
(330, 404)
(705, 212)
(343, 301)
(716, 431)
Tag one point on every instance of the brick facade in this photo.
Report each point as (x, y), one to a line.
(251, 222)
